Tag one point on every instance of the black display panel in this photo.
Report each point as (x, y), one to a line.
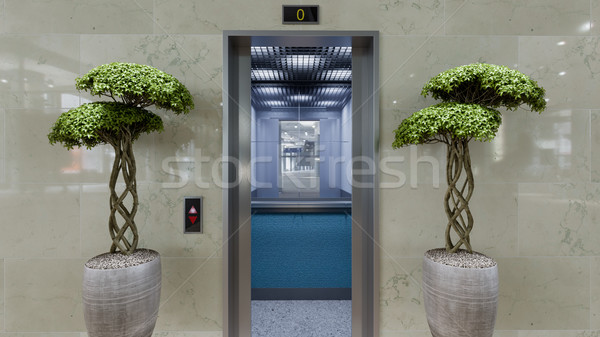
(193, 215)
(300, 14)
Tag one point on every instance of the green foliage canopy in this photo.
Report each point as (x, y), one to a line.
(97, 123)
(488, 85)
(137, 85)
(444, 121)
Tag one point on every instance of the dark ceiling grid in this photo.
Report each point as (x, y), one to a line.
(301, 77)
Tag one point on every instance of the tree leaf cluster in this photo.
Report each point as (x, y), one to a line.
(488, 85)
(98, 123)
(470, 96)
(138, 85)
(444, 121)
(132, 87)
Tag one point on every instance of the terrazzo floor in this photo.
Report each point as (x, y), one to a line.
(301, 318)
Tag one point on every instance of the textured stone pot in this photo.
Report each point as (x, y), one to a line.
(460, 301)
(122, 302)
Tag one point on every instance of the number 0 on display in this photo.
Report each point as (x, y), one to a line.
(300, 14)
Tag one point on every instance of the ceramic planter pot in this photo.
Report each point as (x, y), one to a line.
(122, 302)
(460, 301)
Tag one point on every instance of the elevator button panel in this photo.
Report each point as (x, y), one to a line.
(192, 215)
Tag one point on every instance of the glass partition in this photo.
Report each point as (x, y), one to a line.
(299, 159)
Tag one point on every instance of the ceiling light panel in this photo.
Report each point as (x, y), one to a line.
(301, 76)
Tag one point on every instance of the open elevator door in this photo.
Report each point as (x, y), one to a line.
(237, 168)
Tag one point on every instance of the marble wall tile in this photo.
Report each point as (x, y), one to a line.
(39, 221)
(195, 60)
(31, 159)
(388, 17)
(405, 229)
(495, 230)
(41, 334)
(407, 63)
(563, 333)
(163, 229)
(2, 151)
(397, 333)
(87, 17)
(174, 334)
(559, 219)
(401, 297)
(39, 71)
(595, 15)
(543, 293)
(595, 294)
(208, 17)
(595, 146)
(410, 230)
(190, 149)
(191, 296)
(43, 295)
(427, 333)
(529, 147)
(1, 295)
(530, 17)
(566, 69)
(187, 334)
(2, 17)
(157, 333)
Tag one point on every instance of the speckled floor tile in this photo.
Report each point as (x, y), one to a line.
(302, 318)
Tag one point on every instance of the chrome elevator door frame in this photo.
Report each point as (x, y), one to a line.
(236, 175)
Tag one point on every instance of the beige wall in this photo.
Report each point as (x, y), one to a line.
(537, 194)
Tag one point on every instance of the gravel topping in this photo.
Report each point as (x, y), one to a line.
(461, 259)
(118, 260)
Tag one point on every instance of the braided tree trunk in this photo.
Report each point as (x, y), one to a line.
(124, 165)
(460, 190)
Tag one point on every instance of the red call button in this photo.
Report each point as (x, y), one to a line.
(193, 217)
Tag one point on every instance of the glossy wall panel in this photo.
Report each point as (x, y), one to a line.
(2, 151)
(536, 197)
(39, 71)
(408, 62)
(567, 69)
(527, 17)
(543, 294)
(43, 295)
(39, 221)
(559, 219)
(191, 295)
(1, 294)
(86, 17)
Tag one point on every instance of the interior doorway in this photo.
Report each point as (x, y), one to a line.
(241, 185)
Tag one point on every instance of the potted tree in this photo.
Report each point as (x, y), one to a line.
(121, 288)
(460, 286)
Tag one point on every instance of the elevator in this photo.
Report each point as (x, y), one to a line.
(285, 151)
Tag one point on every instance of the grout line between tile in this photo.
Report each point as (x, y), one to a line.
(4, 295)
(80, 221)
(445, 34)
(3, 177)
(518, 221)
